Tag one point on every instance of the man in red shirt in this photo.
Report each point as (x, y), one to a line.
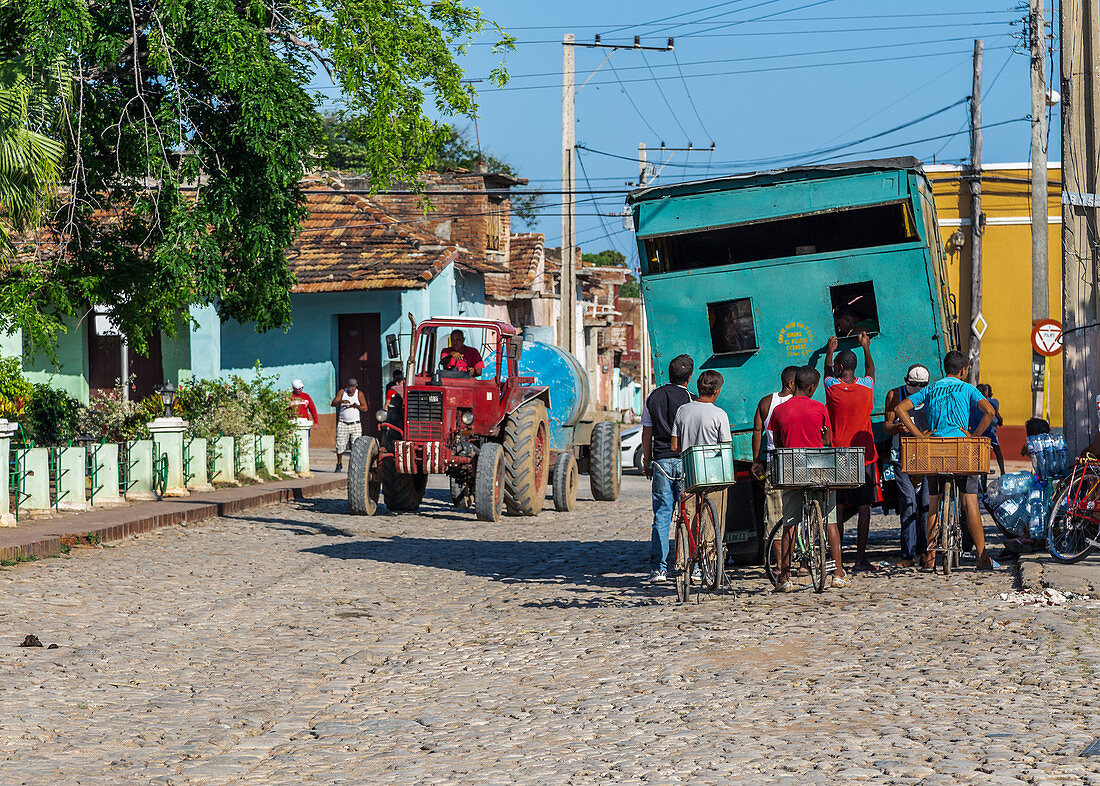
(459, 357)
(801, 422)
(850, 400)
(303, 405)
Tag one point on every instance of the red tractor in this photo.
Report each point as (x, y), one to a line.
(490, 432)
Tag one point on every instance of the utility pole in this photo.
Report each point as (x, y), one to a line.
(1080, 125)
(976, 214)
(569, 207)
(643, 172)
(1040, 295)
(568, 180)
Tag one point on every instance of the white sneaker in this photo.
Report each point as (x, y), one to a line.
(658, 577)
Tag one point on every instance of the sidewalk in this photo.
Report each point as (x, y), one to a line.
(46, 538)
(1039, 570)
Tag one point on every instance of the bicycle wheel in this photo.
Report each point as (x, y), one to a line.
(771, 554)
(815, 540)
(709, 545)
(1070, 528)
(947, 523)
(683, 562)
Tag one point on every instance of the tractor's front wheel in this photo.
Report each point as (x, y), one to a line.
(605, 467)
(403, 493)
(526, 459)
(489, 482)
(364, 478)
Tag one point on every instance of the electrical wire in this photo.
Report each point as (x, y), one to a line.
(603, 223)
(626, 92)
(691, 101)
(660, 90)
(661, 19)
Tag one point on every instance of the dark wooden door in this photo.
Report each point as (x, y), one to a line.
(105, 366)
(361, 358)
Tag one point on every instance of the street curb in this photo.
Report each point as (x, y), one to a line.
(48, 538)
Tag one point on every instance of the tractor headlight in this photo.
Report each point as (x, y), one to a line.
(381, 415)
(467, 418)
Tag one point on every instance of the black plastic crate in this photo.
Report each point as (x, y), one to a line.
(816, 467)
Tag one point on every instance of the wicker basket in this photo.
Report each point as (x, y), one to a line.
(816, 467)
(946, 455)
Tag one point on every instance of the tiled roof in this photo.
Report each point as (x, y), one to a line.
(348, 243)
(525, 251)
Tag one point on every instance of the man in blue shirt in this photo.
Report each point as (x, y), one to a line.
(948, 404)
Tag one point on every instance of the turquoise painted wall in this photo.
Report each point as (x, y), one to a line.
(70, 373)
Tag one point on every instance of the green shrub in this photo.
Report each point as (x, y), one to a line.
(15, 390)
(108, 417)
(51, 416)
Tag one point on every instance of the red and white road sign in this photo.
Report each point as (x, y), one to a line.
(1046, 337)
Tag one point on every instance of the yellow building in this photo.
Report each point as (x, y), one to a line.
(1006, 280)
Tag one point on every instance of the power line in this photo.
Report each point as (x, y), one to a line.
(691, 100)
(603, 223)
(663, 18)
(631, 100)
(661, 91)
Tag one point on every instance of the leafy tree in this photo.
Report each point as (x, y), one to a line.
(346, 149)
(606, 258)
(631, 288)
(192, 127)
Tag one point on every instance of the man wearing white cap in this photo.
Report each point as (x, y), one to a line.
(912, 491)
(304, 407)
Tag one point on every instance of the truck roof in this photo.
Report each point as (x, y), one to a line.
(772, 175)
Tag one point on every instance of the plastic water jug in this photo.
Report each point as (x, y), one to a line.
(1013, 515)
(1037, 512)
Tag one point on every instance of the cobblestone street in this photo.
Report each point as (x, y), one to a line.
(296, 644)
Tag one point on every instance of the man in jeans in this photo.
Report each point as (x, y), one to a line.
(661, 462)
(912, 489)
(948, 403)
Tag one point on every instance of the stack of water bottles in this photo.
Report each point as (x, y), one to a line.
(1020, 501)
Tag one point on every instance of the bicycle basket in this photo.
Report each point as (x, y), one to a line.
(816, 467)
(708, 467)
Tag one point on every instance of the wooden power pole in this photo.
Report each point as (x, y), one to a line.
(1080, 199)
(976, 215)
(1040, 294)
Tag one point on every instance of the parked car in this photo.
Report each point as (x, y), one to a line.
(631, 442)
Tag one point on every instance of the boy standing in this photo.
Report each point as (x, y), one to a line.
(850, 400)
(948, 403)
(802, 422)
(700, 422)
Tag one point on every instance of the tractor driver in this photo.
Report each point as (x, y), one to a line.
(459, 357)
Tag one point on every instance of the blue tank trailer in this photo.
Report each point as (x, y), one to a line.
(750, 273)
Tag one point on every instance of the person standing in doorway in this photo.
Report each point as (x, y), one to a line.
(350, 405)
(912, 489)
(661, 463)
(304, 408)
(850, 400)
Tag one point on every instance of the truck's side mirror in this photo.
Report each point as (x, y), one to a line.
(393, 347)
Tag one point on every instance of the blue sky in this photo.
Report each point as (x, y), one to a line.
(799, 80)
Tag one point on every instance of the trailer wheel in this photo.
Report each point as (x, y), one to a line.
(526, 459)
(605, 470)
(489, 482)
(565, 482)
(364, 478)
(403, 493)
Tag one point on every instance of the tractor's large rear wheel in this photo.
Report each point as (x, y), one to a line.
(364, 478)
(403, 493)
(605, 470)
(526, 459)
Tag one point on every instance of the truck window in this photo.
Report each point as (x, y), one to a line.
(818, 233)
(854, 309)
(731, 327)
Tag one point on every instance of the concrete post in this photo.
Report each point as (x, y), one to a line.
(225, 470)
(197, 470)
(104, 459)
(266, 455)
(246, 457)
(34, 465)
(139, 455)
(7, 430)
(302, 436)
(71, 480)
(168, 438)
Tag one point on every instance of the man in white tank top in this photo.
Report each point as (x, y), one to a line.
(350, 405)
(763, 444)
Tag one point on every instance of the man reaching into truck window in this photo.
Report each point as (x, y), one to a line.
(850, 400)
(459, 357)
(948, 403)
(660, 462)
(802, 422)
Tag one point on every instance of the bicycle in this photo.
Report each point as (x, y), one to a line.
(947, 540)
(698, 544)
(810, 546)
(1073, 529)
